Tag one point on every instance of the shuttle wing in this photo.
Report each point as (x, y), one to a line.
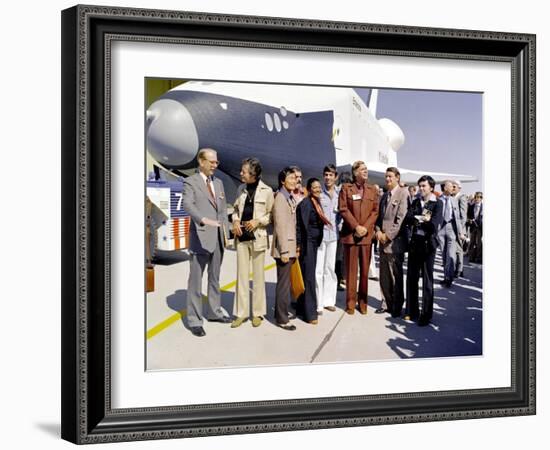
(377, 172)
(411, 176)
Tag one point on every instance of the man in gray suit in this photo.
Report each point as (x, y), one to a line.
(204, 200)
(392, 237)
(450, 232)
(463, 210)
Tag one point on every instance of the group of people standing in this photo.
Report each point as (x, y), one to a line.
(308, 226)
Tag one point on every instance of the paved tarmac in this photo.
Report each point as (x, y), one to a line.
(456, 329)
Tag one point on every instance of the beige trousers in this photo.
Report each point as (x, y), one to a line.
(247, 256)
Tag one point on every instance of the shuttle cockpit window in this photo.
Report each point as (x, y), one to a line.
(277, 121)
(269, 121)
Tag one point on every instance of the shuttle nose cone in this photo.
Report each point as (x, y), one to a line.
(172, 138)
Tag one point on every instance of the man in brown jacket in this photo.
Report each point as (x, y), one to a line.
(358, 205)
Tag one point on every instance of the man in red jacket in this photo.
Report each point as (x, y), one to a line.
(358, 205)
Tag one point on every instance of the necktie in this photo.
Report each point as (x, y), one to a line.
(292, 202)
(211, 192)
(447, 209)
(388, 200)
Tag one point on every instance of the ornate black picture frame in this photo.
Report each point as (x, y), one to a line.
(87, 414)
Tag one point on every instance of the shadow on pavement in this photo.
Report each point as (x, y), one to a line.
(456, 328)
(165, 258)
(178, 302)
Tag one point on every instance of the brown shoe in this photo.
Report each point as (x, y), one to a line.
(330, 308)
(363, 311)
(313, 322)
(350, 311)
(238, 322)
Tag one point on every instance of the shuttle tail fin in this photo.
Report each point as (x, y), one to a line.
(373, 102)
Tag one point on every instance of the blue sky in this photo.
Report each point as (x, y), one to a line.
(443, 130)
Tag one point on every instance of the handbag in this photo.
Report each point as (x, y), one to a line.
(297, 287)
(149, 279)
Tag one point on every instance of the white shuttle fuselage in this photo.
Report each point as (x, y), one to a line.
(307, 126)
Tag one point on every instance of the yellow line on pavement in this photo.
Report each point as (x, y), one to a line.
(152, 332)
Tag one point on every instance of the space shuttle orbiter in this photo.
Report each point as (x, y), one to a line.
(282, 125)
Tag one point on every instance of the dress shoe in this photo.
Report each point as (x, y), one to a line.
(256, 321)
(221, 320)
(423, 321)
(286, 326)
(411, 318)
(198, 331)
(238, 322)
(380, 311)
(350, 311)
(313, 322)
(330, 308)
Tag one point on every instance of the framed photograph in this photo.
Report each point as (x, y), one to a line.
(316, 127)
(146, 91)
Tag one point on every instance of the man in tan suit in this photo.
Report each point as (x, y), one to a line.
(358, 205)
(392, 236)
(284, 243)
(251, 216)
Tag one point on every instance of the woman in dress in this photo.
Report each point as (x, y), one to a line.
(310, 221)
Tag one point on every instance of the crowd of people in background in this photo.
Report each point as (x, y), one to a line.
(329, 228)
